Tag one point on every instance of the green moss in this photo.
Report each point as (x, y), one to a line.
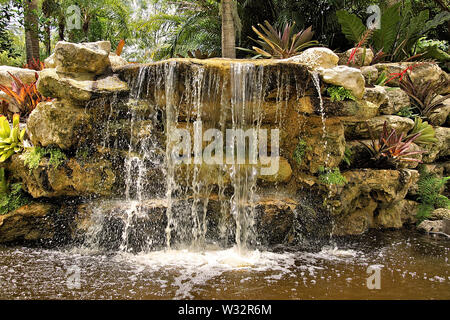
(33, 156)
(300, 151)
(12, 199)
(331, 176)
(430, 196)
(348, 156)
(338, 93)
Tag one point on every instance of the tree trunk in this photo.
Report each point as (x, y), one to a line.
(46, 10)
(228, 32)
(31, 29)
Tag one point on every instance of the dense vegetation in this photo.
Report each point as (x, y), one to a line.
(157, 29)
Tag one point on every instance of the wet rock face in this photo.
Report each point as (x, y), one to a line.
(372, 198)
(71, 178)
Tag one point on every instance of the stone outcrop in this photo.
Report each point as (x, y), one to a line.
(25, 75)
(347, 77)
(360, 130)
(316, 58)
(397, 99)
(361, 57)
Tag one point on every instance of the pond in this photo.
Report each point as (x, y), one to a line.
(412, 266)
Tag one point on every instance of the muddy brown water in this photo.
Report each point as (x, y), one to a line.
(412, 266)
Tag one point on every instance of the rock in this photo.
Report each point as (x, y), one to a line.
(347, 77)
(439, 149)
(79, 90)
(31, 222)
(376, 95)
(370, 74)
(316, 58)
(440, 116)
(317, 152)
(27, 76)
(440, 214)
(397, 100)
(116, 61)
(349, 110)
(58, 124)
(90, 57)
(71, 178)
(362, 57)
(368, 190)
(360, 129)
(395, 215)
(421, 72)
(432, 226)
(49, 63)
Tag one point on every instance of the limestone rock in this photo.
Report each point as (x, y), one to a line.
(376, 95)
(439, 149)
(362, 57)
(79, 90)
(58, 123)
(91, 57)
(72, 178)
(370, 74)
(360, 129)
(440, 214)
(347, 77)
(397, 99)
(316, 58)
(116, 61)
(25, 75)
(31, 222)
(395, 215)
(432, 226)
(440, 116)
(50, 62)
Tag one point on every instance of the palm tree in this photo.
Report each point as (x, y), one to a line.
(228, 30)
(31, 20)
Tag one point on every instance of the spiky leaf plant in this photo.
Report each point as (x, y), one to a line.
(427, 134)
(280, 45)
(11, 140)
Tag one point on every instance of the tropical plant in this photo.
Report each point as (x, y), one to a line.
(425, 95)
(399, 30)
(277, 44)
(12, 197)
(391, 148)
(25, 96)
(198, 54)
(339, 93)
(11, 138)
(34, 64)
(406, 112)
(427, 134)
(331, 176)
(348, 156)
(429, 191)
(33, 156)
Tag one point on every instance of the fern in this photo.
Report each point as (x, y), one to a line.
(338, 93)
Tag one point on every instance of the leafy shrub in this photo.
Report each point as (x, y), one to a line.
(338, 93)
(11, 140)
(33, 156)
(198, 54)
(331, 176)
(25, 96)
(425, 96)
(11, 197)
(391, 148)
(427, 134)
(430, 196)
(277, 44)
(300, 151)
(399, 30)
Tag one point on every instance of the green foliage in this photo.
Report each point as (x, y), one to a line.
(338, 93)
(11, 139)
(430, 197)
(433, 49)
(427, 134)
(348, 156)
(281, 45)
(33, 156)
(300, 151)
(406, 112)
(331, 176)
(11, 197)
(401, 27)
(382, 78)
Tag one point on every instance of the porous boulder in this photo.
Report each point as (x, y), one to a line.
(361, 57)
(440, 116)
(90, 57)
(316, 58)
(397, 99)
(360, 130)
(58, 124)
(347, 77)
(80, 89)
(439, 149)
(27, 76)
(70, 178)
